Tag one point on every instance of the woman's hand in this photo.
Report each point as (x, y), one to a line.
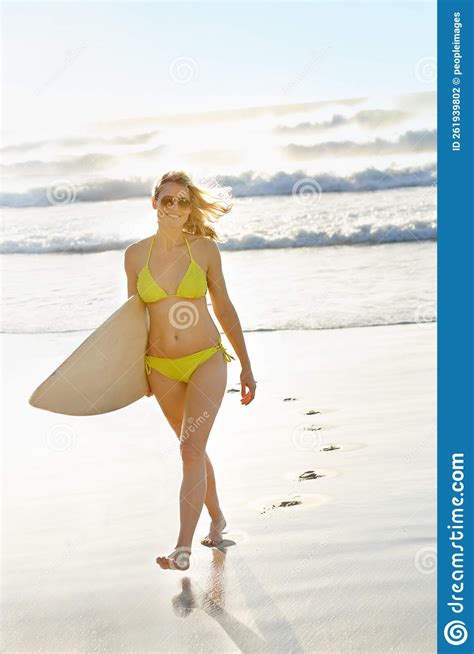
(247, 381)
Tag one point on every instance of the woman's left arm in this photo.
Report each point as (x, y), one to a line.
(227, 316)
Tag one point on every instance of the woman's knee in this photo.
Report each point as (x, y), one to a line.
(191, 453)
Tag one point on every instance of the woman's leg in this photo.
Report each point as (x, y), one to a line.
(211, 500)
(212, 504)
(170, 395)
(202, 401)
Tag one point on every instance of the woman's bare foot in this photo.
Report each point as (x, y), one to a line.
(214, 537)
(177, 560)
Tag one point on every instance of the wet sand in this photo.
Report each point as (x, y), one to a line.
(327, 481)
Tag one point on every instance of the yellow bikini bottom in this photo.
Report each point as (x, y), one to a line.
(182, 368)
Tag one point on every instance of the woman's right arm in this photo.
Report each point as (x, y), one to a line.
(131, 270)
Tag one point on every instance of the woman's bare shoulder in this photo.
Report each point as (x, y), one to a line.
(204, 242)
(136, 248)
(135, 255)
(204, 249)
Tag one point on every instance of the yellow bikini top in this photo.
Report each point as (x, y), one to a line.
(193, 284)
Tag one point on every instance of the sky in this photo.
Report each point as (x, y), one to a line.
(66, 64)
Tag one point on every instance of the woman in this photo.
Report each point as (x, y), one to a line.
(185, 361)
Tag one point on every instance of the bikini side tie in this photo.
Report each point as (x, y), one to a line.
(147, 367)
(227, 356)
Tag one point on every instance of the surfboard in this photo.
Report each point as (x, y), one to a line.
(106, 372)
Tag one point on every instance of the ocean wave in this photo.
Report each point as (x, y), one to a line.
(247, 184)
(359, 235)
(354, 324)
(362, 235)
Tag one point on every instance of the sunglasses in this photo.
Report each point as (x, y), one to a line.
(168, 202)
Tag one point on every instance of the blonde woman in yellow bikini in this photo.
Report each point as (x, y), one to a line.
(186, 362)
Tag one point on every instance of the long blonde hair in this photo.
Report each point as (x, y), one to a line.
(205, 205)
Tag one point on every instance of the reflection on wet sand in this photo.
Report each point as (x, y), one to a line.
(211, 600)
(279, 635)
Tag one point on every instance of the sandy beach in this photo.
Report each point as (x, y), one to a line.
(314, 164)
(342, 560)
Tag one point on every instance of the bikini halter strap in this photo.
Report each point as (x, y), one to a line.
(149, 251)
(189, 249)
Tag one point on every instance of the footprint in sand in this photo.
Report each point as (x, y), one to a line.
(289, 399)
(322, 472)
(288, 503)
(320, 411)
(347, 447)
(309, 474)
(300, 501)
(282, 504)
